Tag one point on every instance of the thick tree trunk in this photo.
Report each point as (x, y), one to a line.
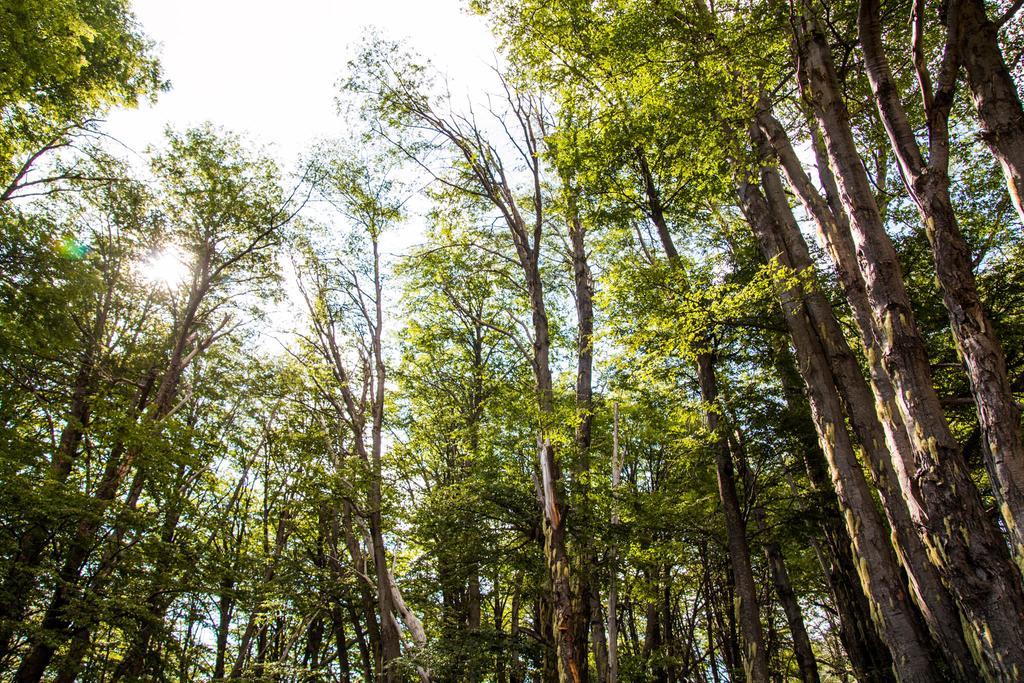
(879, 572)
(928, 185)
(943, 501)
(868, 654)
(995, 95)
(879, 444)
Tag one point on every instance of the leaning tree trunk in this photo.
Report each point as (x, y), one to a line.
(879, 444)
(928, 185)
(892, 608)
(995, 95)
(17, 587)
(943, 501)
(869, 656)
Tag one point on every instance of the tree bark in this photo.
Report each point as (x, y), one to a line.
(995, 95)
(928, 185)
(754, 654)
(879, 572)
(942, 500)
(584, 589)
(868, 654)
(880, 444)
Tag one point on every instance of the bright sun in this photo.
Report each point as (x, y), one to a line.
(167, 267)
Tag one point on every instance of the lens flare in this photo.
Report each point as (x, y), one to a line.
(73, 249)
(167, 267)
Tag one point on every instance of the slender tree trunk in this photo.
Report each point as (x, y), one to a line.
(551, 497)
(726, 615)
(341, 644)
(20, 581)
(598, 638)
(613, 562)
(526, 237)
(366, 595)
(585, 588)
(225, 610)
(709, 623)
(802, 650)
(252, 627)
(652, 637)
(390, 637)
(56, 621)
(516, 665)
(141, 650)
(755, 656)
(367, 653)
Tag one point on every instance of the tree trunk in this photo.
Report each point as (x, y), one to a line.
(867, 652)
(928, 185)
(20, 581)
(995, 95)
(613, 563)
(942, 500)
(802, 650)
(879, 444)
(879, 572)
(754, 654)
(225, 610)
(341, 644)
(583, 593)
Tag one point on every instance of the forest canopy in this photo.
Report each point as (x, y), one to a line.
(690, 348)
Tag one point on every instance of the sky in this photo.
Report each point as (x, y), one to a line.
(269, 69)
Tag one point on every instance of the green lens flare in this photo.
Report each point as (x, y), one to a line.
(73, 249)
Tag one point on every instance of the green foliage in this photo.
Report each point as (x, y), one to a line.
(66, 62)
(231, 527)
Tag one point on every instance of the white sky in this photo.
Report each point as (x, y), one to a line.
(268, 69)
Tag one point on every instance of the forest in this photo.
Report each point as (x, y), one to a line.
(690, 350)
